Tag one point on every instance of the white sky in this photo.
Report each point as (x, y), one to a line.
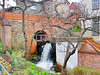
(73, 1)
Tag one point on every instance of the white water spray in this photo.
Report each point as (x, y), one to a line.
(45, 62)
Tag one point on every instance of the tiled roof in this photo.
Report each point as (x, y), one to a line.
(90, 46)
(18, 16)
(35, 18)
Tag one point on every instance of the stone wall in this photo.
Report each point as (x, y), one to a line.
(89, 60)
(17, 34)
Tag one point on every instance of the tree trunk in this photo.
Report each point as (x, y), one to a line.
(24, 33)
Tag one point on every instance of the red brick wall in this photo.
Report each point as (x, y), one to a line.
(7, 35)
(89, 60)
(0, 31)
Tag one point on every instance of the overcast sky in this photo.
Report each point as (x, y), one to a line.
(73, 1)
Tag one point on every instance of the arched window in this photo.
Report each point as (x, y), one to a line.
(41, 35)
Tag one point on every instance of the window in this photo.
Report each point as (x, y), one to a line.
(95, 26)
(72, 10)
(95, 4)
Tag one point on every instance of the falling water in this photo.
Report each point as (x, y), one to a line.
(45, 61)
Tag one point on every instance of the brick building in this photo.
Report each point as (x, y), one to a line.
(33, 25)
(75, 8)
(89, 54)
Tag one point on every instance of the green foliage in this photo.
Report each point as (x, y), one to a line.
(76, 29)
(84, 71)
(9, 50)
(18, 62)
(1, 51)
(0, 46)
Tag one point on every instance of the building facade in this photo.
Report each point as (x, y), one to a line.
(91, 9)
(46, 7)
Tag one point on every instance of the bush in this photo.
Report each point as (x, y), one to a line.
(84, 71)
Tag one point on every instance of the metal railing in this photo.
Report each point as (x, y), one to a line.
(2, 68)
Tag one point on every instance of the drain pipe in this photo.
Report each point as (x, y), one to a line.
(1, 67)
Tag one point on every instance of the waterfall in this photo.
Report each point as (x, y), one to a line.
(45, 61)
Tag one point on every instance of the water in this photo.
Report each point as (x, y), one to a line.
(45, 61)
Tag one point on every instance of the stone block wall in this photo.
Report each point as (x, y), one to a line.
(89, 60)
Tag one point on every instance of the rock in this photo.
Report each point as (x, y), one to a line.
(58, 68)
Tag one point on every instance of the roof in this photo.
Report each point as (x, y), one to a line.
(78, 5)
(90, 46)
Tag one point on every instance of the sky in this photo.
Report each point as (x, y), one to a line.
(73, 1)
